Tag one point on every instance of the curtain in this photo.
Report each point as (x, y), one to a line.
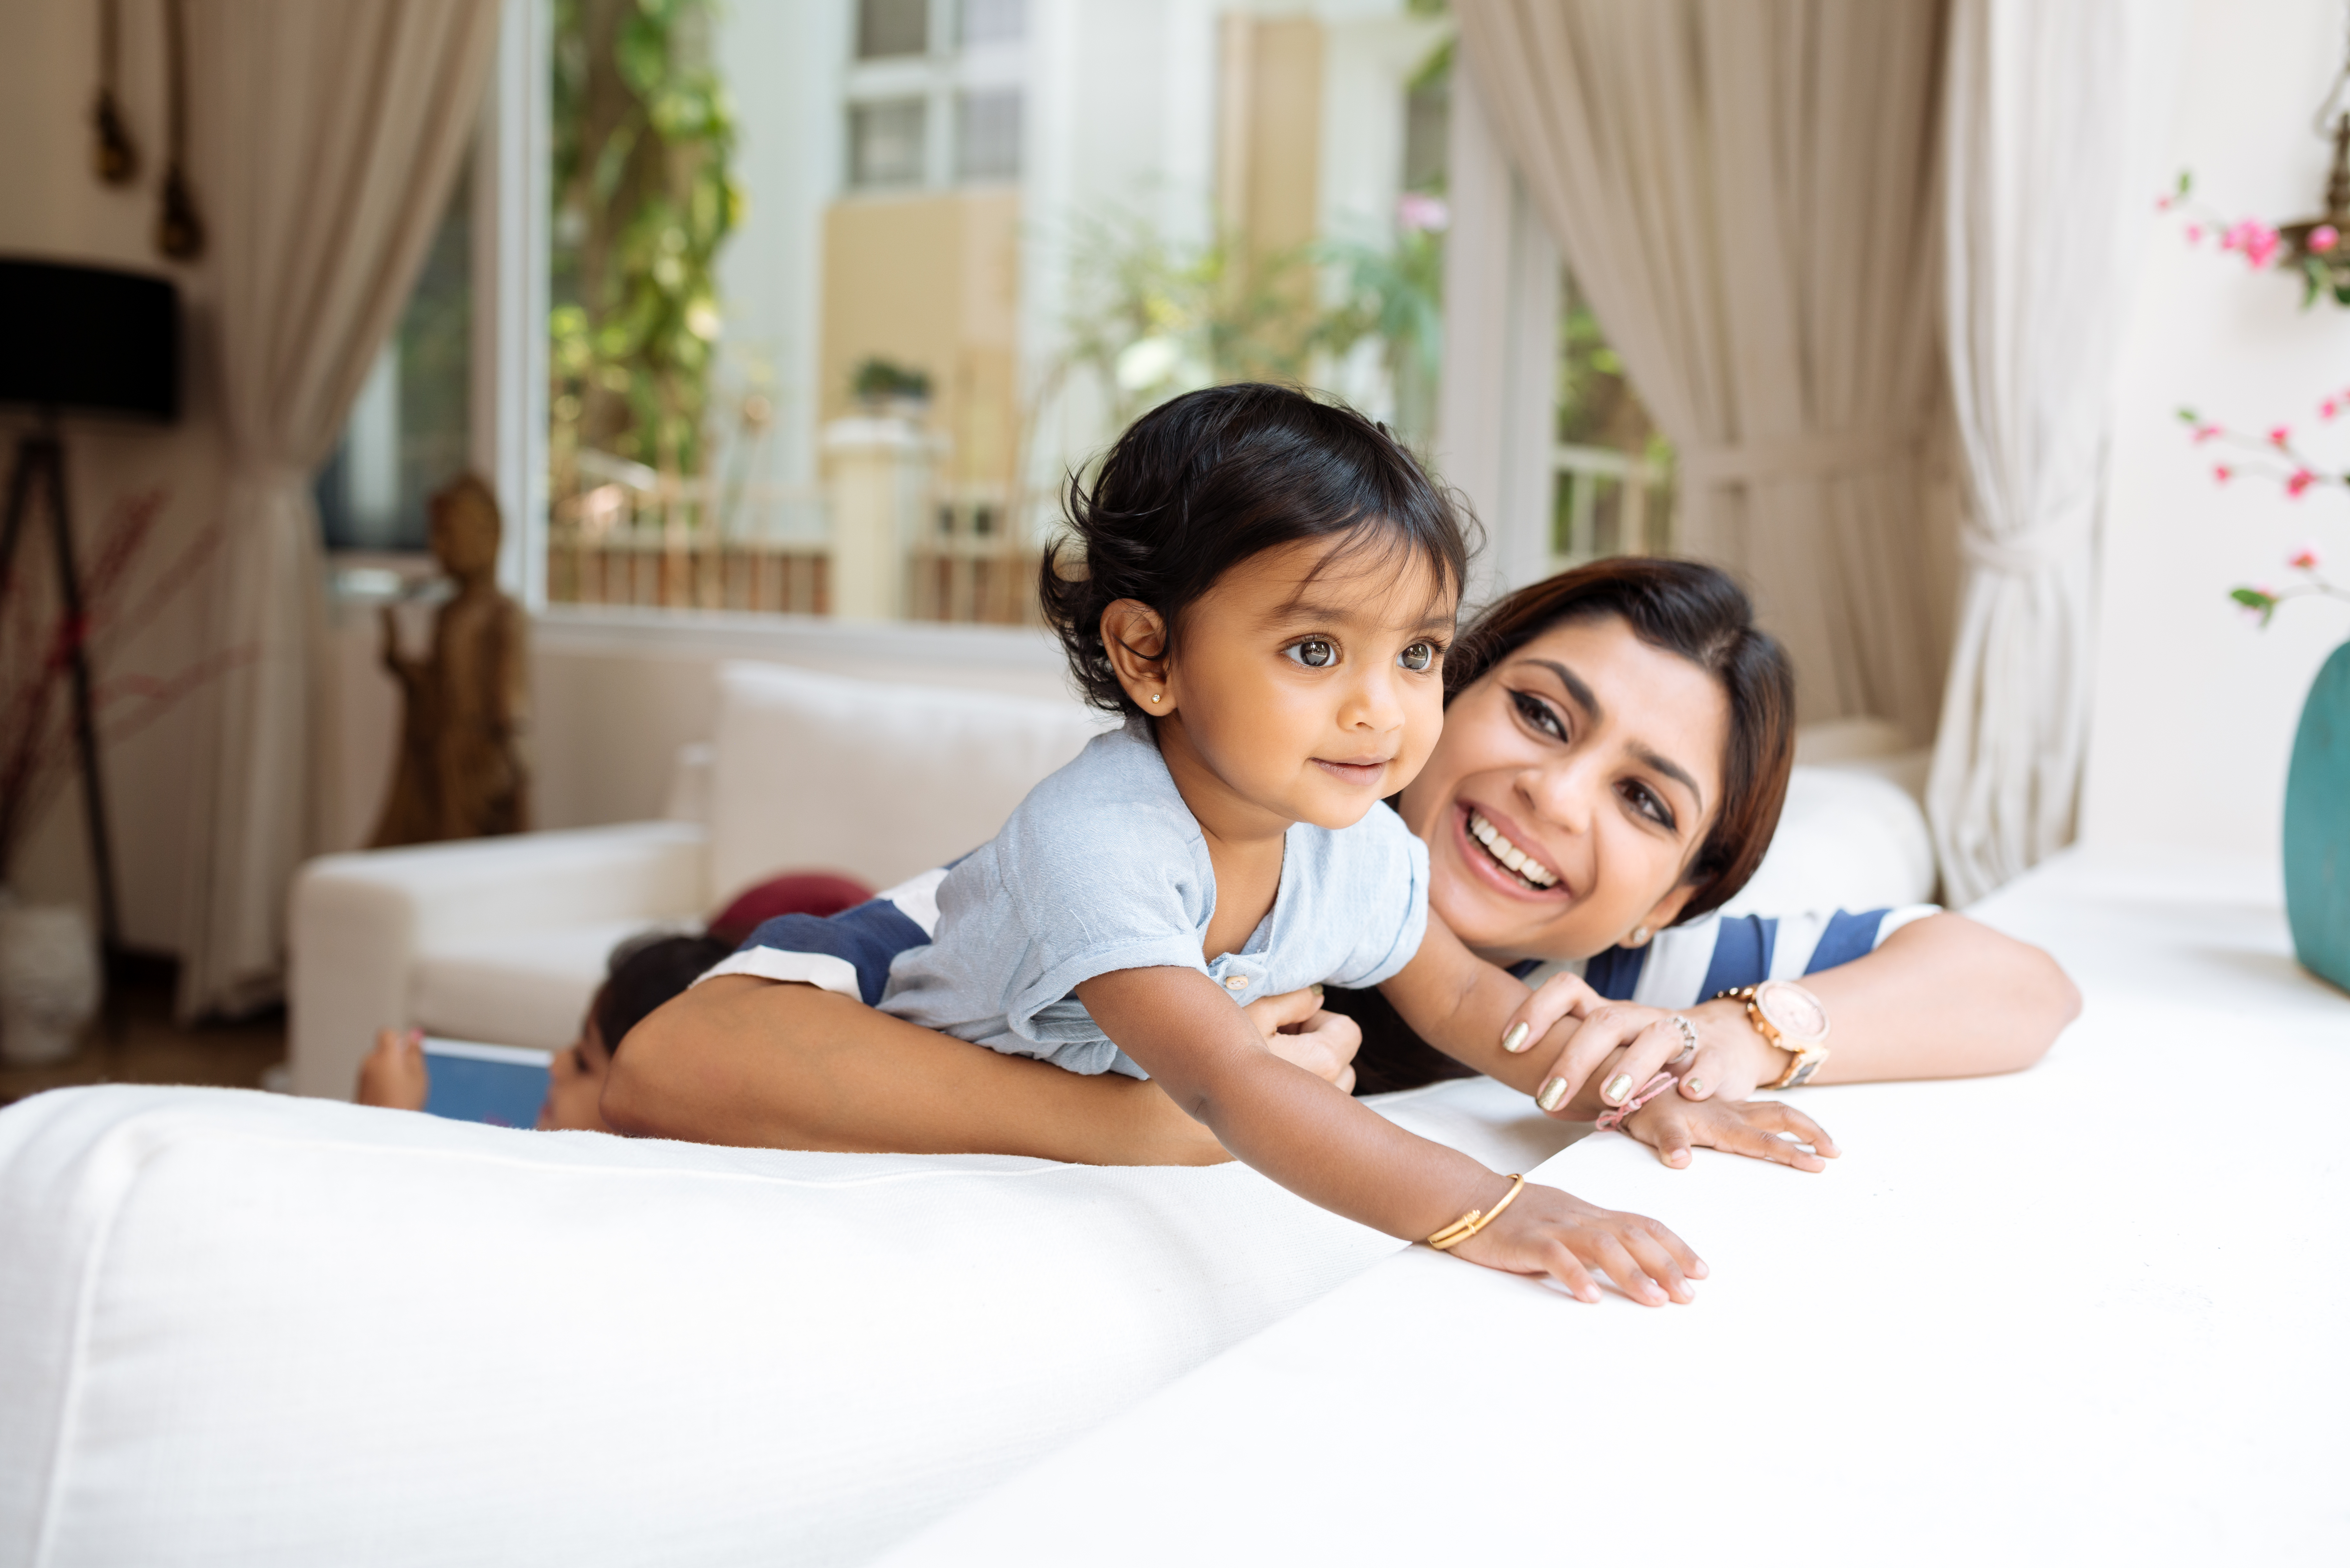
(326, 136)
(2052, 113)
(1744, 190)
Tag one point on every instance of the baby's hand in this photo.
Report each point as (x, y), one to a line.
(1547, 1232)
(394, 1074)
(1296, 1030)
(1670, 1125)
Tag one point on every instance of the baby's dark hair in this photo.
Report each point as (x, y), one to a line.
(645, 972)
(1204, 481)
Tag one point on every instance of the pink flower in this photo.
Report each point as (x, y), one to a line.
(2255, 239)
(2222, 472)
(2162, 204)
(2329, 408)
(2194, 233)
(2302, 480)
(2324, 237)
(2205, 433)
(1417, 214)
(2280, 435)
(2303, 559)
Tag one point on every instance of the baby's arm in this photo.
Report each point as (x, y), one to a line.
(1323, 1146)
(1461, 1004)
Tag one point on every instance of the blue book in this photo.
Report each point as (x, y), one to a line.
(502, 1085)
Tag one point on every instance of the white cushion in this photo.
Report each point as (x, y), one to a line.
(250, 1329)
(1848, 839)
(821, 773)
(517, 988)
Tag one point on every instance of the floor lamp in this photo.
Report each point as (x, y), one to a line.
(87, 340)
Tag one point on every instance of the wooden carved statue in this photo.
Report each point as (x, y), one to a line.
(460, 773)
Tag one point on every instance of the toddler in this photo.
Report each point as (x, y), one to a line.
(1266, 589)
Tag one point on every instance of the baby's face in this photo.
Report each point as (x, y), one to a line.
(1311, 696)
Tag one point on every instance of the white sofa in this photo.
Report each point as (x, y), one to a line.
(503, 940)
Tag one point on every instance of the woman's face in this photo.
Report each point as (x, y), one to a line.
(1596, 757)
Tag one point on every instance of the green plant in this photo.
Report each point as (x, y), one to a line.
(878, 380)
(644, 198)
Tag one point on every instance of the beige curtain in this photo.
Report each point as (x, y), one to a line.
(1746, 191)
(326, 136)
(2054, 112)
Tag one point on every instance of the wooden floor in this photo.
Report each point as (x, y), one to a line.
(135, 1042)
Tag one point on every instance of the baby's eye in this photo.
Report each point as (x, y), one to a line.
(1419, 656)
(1314, 652)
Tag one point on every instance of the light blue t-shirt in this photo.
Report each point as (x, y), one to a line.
(1102, 867)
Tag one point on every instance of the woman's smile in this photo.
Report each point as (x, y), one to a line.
(1494, 847)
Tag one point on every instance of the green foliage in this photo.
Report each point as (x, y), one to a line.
(878, 380)
(644, 198)
(2257, 600)
(1153, 318)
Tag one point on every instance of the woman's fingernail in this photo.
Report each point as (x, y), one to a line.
(1553, 1095)
(1618, 1087)
(1694, 1086)
(1515, 1040)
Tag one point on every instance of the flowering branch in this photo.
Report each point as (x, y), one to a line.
(2316, 249)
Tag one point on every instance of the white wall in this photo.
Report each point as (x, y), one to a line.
(2195, 708)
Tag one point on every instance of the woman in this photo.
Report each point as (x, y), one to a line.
(1623, 730)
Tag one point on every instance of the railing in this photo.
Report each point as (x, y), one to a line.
(639, 539)
(1608, 503)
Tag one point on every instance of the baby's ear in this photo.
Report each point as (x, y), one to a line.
(1134, 637)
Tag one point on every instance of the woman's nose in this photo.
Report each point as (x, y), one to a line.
(1560, 793)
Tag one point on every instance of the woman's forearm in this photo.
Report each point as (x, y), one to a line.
(747, 1061)
(1943, 997)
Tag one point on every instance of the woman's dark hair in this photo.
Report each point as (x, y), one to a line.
(1208, 480)
(1697, 611)
(645, 972)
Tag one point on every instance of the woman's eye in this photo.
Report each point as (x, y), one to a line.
(1314, 652)
(1419, 656)
(1644, 801)
(1537, 712)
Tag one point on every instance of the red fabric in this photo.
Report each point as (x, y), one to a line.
(818, 893)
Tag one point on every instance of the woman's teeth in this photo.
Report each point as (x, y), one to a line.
(1528, 869)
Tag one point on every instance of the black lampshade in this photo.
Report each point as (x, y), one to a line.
(88, 339)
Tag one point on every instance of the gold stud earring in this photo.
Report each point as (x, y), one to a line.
(1154, 696)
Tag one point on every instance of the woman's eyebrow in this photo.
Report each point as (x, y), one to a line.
(1575, 687)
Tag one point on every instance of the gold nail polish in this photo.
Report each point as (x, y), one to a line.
(1697, 1085)
(1617, 1088)
(1515, 1040)
(1553, 1095)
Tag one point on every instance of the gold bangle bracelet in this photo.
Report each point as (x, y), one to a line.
(1476, 1220)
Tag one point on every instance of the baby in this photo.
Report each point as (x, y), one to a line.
(1267, 587)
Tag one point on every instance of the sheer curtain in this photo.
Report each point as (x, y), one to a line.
(326, 136)
(1746, 191)
(2053, 113)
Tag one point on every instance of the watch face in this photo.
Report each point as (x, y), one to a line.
(1792, 1010)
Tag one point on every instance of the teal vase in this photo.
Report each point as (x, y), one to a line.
(2317, 827)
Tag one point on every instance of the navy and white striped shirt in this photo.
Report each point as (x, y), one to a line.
(851, 953)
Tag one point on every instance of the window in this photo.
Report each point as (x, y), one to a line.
(844, 288)
(410, 431)
(889, 28)
(885, 144)
(1615, 488)
(987, 135)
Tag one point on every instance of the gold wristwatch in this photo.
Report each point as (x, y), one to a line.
(1793, 1019)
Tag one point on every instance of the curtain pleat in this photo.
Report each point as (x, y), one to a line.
(1746, 190)
(2049, 119)
(327, 135)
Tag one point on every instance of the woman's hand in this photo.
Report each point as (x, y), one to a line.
(393, 1075)
(1606, 1050)
(1299, 1032)
(1672, 1125)
(1546, 1231)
